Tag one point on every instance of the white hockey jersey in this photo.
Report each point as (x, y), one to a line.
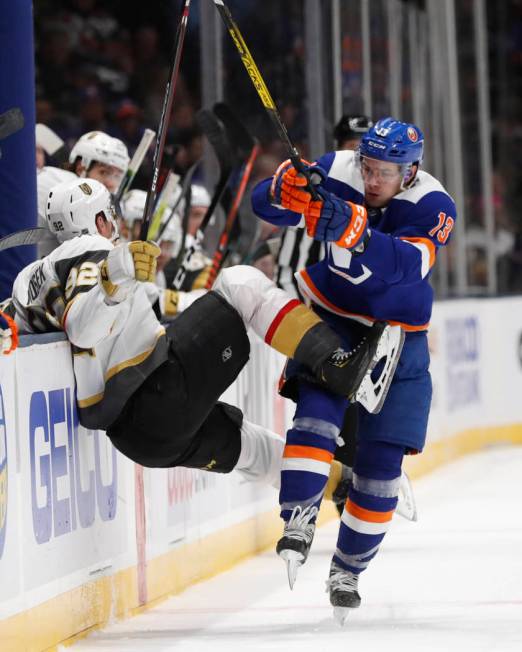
(114, 347)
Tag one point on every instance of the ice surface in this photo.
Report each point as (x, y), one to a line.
(450, 582)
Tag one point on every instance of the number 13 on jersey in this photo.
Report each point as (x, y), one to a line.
(443, 228)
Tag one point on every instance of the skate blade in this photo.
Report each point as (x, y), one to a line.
(293, 560)
(341, 614)
(406, 506)
(371, 394)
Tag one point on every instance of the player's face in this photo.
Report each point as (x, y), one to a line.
(196, 215)
(382, 181)
(105, 228)
(40, 157)
(109, 175)
(165, 256)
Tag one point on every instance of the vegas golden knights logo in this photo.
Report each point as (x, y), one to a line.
(86, 188)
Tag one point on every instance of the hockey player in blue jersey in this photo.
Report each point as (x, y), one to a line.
(383, 219)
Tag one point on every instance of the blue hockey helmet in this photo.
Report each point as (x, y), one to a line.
(393, 141)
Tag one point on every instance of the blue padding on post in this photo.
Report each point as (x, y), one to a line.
(18, 161)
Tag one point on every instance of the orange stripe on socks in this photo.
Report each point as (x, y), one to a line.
(367, 514)
(309, 452)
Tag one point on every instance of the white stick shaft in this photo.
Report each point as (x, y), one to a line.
(136, 161)
(48, 139)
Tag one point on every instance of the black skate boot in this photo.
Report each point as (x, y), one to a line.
(295, 543)
(342, 586)
(343, 371)
(340, 370)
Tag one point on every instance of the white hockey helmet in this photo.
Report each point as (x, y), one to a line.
(133, 206)
(73, 206)
(99, 147)
(47, 178)
(199, 195)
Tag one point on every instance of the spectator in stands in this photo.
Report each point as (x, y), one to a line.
(348, 131)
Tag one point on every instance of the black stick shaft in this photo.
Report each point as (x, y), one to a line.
(164, 119)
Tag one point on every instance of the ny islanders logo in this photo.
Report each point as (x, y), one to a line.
(3, 475)
(412, 134)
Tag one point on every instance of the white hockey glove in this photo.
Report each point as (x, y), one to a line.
(8, 334)
(127, 264)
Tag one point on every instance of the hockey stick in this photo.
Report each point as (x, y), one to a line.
(164, 198)
(164, 119)
(41, 234)
(11, 121)
(26, 237)
(48, 140)
(264, 93)
(51, 144)
(244, 143)
(221, 250)
(216, 135)
(135, 163)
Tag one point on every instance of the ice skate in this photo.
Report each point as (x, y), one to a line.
(342, 586)
(295, 543)
(343, 371)
(371, 392)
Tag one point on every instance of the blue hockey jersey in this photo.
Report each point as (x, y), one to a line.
(390, 279)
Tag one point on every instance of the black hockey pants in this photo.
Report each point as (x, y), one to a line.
(174, 418)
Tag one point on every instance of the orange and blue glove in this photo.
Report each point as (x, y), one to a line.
(289, 186)
(331, 219)
(8, 334)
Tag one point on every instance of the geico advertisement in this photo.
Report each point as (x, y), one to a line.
(70, 475)
(10, 583)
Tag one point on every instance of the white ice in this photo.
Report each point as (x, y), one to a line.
(451, 582)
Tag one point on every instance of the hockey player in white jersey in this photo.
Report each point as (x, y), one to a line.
(95, 155)
(155, 388)
(382, 219)
(171, 301)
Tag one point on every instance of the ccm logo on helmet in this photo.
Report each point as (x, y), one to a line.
(372, 143)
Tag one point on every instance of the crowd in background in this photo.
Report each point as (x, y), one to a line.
(103, 66)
